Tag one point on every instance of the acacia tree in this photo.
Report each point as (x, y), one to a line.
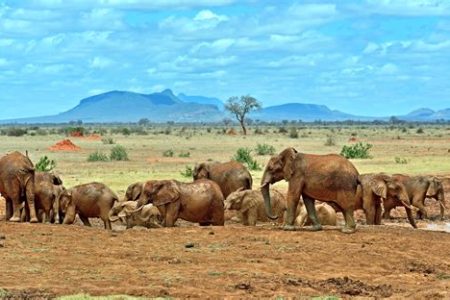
(240, 107)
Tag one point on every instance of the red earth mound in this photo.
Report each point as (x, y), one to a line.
(93, 137)
(64, 145)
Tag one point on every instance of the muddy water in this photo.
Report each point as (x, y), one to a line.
(438, 227)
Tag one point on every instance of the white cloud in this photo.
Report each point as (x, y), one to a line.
(204, 19)
(410, 7)
(388, 69)
(100, 62)
(207, 15)
(215, 47)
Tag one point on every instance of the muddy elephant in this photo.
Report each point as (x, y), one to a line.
(419, 188)
(373, 191)
(325, 213)
(147, 215)
(230, 176)
(134, 191)
(17, 185)
(250, 205)
(323, 177)
(89, 200)
(200, 201)
(47, 189)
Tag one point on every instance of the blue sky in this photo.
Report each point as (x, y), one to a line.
(372, 57)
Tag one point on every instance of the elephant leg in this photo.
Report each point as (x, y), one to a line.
(172, 210)
(17, 205)
(312, 214)
(347, 206)
(29, 188)
(293, 197)
(410, 217)
(8, 209)
(84, 220)
(107, 223)
(245, 218)
(378, 212)
(252, 214)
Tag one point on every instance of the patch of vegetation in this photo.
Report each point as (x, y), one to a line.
(282, 130)
(45, 164)
(358, 150)
(401, 161)
(97, 156)
(168, 153)
(184, 154)
(188, 171)
(108, 141)
(118, 153)
(330, 141)
(265, 149)
(293, 133)
(75, 131)
(15, 131)
(244, 156)
(420, 130)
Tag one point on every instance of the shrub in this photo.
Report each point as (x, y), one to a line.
(108, 141)
(188, 171)
(41, 132)
(15, 131)
(358, 150)
(168, 153)
(400, 160)
(264, 149)
(125, 131)
(118, 153)
(184, 154)
(75, 131)
(293, 133)
(330, 141)
(45, 164)
(258, 131)
(282, 130)
(244, 156)
(97, 156)
(419, 131)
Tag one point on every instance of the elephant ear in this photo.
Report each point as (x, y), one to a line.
(136, 191)
(201, 171)
(248, 200)
(287, 158)
(433, 187)
(56, 180)
(379, 188)
(165, 192)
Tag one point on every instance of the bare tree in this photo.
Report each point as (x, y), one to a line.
(240, 107)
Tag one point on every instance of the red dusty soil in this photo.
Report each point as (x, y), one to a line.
(42, 260)
(64, 145)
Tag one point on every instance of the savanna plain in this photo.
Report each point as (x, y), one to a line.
(40, 261)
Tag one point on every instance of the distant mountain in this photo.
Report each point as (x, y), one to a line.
(304, 112)
(201, 100)
(122, 106)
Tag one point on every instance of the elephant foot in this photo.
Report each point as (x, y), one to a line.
(317, 227)
(289, 228)
(348, 230)
(14, 219)
(34, 220)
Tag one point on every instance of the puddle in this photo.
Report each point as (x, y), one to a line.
(438, 227)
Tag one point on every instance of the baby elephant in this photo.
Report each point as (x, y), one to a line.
(250, 205)
(146, 216)
(325, 213)
(90, 200)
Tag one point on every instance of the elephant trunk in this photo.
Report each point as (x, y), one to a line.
(266, 195)
(113, 217)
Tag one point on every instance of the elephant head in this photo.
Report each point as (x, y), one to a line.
(201, 171)
(436, 190)
(121, 210)
(387, 187)
(279, 167)
(134, 191)
(67, 206)
(160, 192)
(236, 200)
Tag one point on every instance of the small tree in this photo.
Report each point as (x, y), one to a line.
(240, 107)
(144, 122)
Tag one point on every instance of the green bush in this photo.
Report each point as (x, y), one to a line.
(401, 161)
(358, 150)
(125, 131)
(264, 149)
(118, 153)
(108, 141)
(97, 156)
(45, 164)
(188, 171)
(15, 131)
(244, 156)
(293, 133)
(184, 154)
(168, 153)
(282, 130)
(420, 130)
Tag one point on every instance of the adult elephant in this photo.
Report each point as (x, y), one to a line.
(17, 185)
(419, 188)
(377, 188)
(200, 201)
(323, 177)
(230, 176)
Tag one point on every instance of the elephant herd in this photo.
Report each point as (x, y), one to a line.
(220, 191)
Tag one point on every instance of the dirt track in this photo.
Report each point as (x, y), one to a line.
(379, 261)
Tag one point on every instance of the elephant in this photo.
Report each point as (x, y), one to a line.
(17, 185)
(230, 176)
(200, 201)
(325, 213)
(373, 191)
(89, 200)
(419, 188)
(146, 216)
(134, 191)
(250, 205)
(314, 177)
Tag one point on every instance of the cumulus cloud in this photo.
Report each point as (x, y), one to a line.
(100, 62)
(410, 8)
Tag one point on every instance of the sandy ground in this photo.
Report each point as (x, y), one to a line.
(40, 261)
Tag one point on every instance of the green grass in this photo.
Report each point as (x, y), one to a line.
(426, 153)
